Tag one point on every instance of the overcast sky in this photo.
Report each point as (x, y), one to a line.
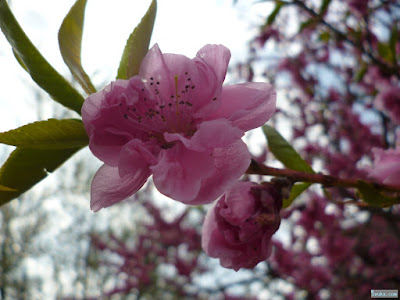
(182, 26)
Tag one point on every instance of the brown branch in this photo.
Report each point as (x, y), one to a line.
(325, 180)
(343, 36)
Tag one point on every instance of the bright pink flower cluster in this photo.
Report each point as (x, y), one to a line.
(176, 121)
(239, 227)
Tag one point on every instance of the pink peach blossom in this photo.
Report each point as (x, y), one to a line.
(386, 166)
(238, 227)
(388, 101)
(176, 121)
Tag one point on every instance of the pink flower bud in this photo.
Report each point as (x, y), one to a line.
(239, 227)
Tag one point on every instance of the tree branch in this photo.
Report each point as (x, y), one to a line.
(325, 180)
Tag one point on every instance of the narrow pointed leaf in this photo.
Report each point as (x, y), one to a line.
(394, 37)
(284, 152)
(70, 42)
(4, 188)
(50, 134)
(374, 197)
(25, 167)
(137, 45)
(296, 191)
(324, 7)
(271, 18)
(36, 65)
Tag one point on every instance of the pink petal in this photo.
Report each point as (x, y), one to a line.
(212, 240)
(198, 81)
(212, 59)
(154, 66)
(180, 171)
(109, 188)
(386, 165)
(136, 155)
(230, 164)
(217, 58)
(393, 178)
(209, 135)
(102, 115)
(240, 203)
(247, 105)
(106, 142)
(96, 102)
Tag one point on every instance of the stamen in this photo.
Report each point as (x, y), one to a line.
(177, 96)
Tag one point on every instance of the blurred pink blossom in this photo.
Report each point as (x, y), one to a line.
(239, 226)
(176, 121)
(388, 100)
(358, 6)
(386, 165)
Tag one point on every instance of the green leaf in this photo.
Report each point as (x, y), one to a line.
(324, 7)
(70, 42)
(361, 73)
(4, 188)
(297, 189)
(36, 65)
(137, 45)
(392, 43)
(271, 18)
(385, 51)
(374, 197)
(26, 167)
(284, 152)
(50, 134)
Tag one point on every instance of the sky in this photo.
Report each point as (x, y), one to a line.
(182, 26)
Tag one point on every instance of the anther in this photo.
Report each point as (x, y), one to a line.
(177, 95)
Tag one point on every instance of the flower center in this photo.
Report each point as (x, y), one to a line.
(156, 112)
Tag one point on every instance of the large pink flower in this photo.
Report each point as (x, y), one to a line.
(175, 121)
(238, 227)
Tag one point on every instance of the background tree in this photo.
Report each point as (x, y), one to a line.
(335, 66)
